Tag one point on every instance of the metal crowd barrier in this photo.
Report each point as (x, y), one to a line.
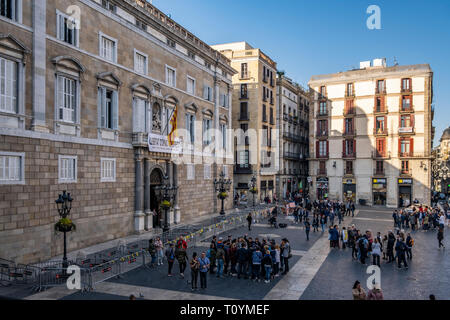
(114, 262)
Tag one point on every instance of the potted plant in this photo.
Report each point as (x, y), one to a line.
(65, 225)
(222, 195)
(254, 190)
(165, 204)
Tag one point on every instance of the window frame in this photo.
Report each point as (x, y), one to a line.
(75, 30)
(77, 97)
(17, 12)
(114, 170)
(135, 54)
(75, 171)
(102, 35)
(18, 81)
(167, 68)
(194, 88)
(190, 172)
(21, 156)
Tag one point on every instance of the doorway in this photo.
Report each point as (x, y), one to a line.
(156, 180)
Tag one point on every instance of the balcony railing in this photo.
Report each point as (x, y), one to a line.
(406, 154)
(380, 110)
(380, 132)
(291, 136)
(322, 134)
(406, 172)
(380, 90)
(322, 113)
(407, 109)
(243, 169)
(406, 90)
(351, 155)
(406, 130)
(244, 117)
(322, 172)
(381, 155)
(379, 172)
(349, 111)
(348, 133)
(292, 156)
(348, 172)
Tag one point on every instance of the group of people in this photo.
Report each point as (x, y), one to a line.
(243, 257)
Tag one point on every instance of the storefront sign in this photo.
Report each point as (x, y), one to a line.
(349, 181)
(405, 181)
(379, 181)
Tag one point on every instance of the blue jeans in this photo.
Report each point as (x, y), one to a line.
(219, 267)
(268, 272)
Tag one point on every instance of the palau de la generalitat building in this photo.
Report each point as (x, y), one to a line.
(371, 134)
(88, 89)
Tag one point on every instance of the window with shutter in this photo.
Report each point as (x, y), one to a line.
(8, 86)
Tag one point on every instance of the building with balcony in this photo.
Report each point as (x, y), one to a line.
(87, 109)
(371, 133)
(254, 117)
(293, 125)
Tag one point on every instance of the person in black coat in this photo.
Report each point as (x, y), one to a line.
(390, 247)
(242, 256)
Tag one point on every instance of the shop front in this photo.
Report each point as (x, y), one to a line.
(379, 189)
(404, 192)
(349, 190)
(322, 188)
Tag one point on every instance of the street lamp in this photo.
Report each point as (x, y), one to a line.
(253, 188)
(166, 195)
(64, 205)
(222, 186)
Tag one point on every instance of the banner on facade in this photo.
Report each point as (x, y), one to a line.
(160, 143)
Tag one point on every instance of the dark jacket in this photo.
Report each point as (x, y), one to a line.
(242, 255)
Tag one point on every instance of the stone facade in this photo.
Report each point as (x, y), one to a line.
(37, 131)
(371, 138)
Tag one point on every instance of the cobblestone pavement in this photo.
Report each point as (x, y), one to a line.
(317, 272)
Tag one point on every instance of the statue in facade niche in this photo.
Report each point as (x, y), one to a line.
(156, 111)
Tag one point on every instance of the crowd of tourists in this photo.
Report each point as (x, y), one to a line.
(243, 257)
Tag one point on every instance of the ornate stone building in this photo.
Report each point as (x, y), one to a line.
(371, 138)
(88, 91)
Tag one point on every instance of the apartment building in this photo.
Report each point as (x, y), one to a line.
(254, 113)
(293, 125)
(88, 89)
(371, 138)
(441, 164)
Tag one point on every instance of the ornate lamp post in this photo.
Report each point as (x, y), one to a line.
(166, 194)
(222, 186)
(64, 205)
(253, 189)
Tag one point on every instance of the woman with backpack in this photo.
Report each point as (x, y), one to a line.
(181, 255)
(170, 255)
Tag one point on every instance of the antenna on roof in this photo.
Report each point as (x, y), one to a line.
(395, 61)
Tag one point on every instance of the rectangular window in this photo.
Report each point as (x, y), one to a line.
(350, 89)
(10, 9)
(244, 159)
(190, 85)
(405, 121)
(405, 147)
(207, 172)
(140, 62)
(108, 6)
(108, 109)
(67, 29)
(67, 169)
(264, 113)
(405, 167)
(223, 130)
(108, 48)
(323, 148)
(190, 127)
(349, 146)
(244, 70)
(322, 127)
(244, 91)
(108, 170)
(381, 147)
(349, 126)
(380, 126)
(190, 172)
(381, 86)
(406, 102)
(171, 76)
(12, 168)
(67, 99)
(323, 109)
(206, 132)
(8, 85)
(406, 84)
(207, 93)
(349, 167)
(323, 92)
(380, 167)
(140, 111)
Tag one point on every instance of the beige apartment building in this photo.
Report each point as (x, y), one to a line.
(88, 88)
(293, 125)
(255, 113)
(371, 134)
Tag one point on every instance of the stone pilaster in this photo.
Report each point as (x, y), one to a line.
(148, 213)
(139, 216)
(39, 65)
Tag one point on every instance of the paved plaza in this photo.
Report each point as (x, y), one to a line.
(317, 272)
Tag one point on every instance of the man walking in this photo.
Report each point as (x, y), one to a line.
(249, 221)
(307, 228)
(286, 255)
(204, 266)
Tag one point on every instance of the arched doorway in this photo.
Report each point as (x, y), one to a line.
(156, 180)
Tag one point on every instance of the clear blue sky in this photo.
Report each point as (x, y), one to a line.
(309, 37)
